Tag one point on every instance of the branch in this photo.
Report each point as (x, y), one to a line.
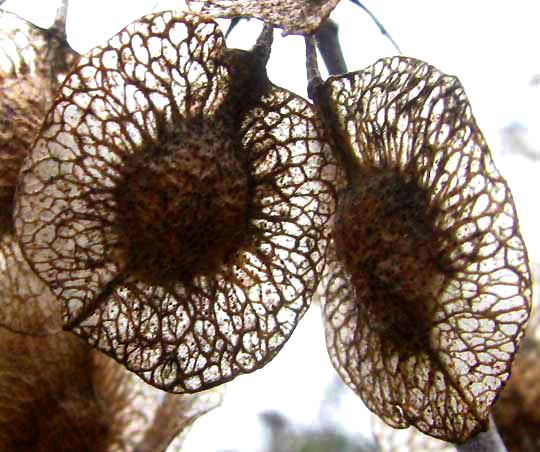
(232, 25)
(489, 441)
(330, 48)
(381, 27)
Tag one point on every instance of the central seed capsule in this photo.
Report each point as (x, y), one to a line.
(387, 238)
(183, 207)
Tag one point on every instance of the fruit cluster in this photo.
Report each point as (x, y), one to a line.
(178, 212)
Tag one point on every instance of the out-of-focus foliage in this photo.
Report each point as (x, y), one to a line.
(283, 436)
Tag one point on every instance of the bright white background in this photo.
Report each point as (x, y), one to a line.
(494, 48)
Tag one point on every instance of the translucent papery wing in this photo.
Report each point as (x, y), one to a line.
(189, 338)
(26, 303)
(175, 415)
(23, 106)
(294, 16)
(406, 116)
(19, 46)
(180, 330)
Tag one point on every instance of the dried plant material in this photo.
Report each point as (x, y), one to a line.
(27, 50)
(428, 287)
(295, 17)
(23, 105)
(30, 67)
(46, 395)
(32, 62)
(58, 394)
(177, 203)
(21, 291)
(516, 411)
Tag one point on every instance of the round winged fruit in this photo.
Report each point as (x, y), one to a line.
(176, 202)
(428, 287)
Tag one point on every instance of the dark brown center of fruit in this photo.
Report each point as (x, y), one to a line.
(387, 237)
(184, 211)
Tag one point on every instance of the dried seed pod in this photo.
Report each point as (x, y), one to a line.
(176, 202)
(59, 394)
(143, 418)
(294, 16)
(428, 287)
(44, 383)
(32, 61)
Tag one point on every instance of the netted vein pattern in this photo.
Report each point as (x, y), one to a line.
(181, 223)
(428, 287)
(23, 106)
(293, 16)
(57, 393)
